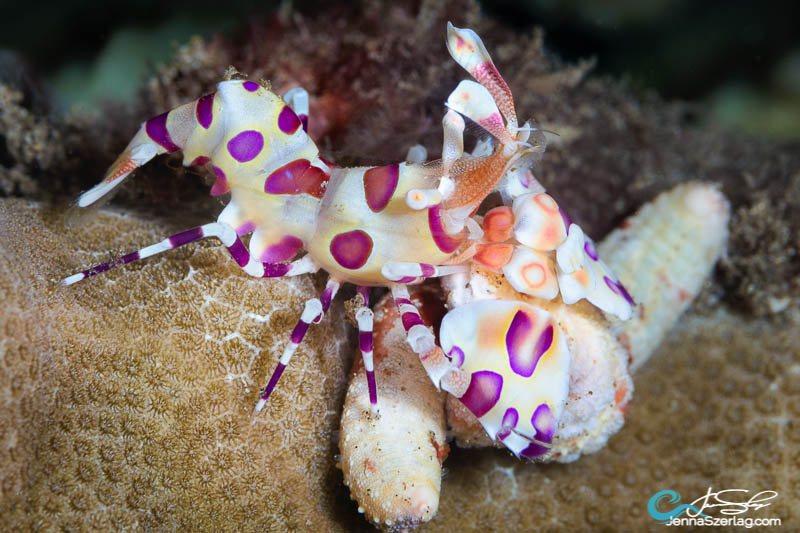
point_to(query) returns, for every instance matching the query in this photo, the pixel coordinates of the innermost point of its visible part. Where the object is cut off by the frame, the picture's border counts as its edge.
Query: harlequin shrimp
(370, 226)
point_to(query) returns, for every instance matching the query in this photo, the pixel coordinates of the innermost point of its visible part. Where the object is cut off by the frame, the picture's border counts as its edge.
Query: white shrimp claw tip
(91, 196)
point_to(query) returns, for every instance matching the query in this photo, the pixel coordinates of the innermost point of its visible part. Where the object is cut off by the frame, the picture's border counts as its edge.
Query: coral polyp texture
(131, 408)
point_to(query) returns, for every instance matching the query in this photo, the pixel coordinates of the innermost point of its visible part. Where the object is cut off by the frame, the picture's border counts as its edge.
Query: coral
(132, 392)
(27, 142)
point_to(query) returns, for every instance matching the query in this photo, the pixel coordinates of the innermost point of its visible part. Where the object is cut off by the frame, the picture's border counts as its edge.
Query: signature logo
(729, 502)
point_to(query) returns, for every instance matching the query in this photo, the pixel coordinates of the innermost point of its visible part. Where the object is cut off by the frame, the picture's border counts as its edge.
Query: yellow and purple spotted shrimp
(393, 225)
(379, 226)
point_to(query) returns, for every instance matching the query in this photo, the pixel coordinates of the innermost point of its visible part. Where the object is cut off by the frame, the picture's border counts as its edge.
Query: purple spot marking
(446, 243)
(400, 301)
(283, 250)
(518, 331)
(297, 177)
(304, 122)
(199, 160)
(250, 86)
(411, 319)
(456, 356)
(288, 121)
(544, 343)
(588, 247)
(510, 419)
(483, 392)
(617, 288)
(299, 332)
(239, 253)
(246, 145)
(544, 423)
(273, 380)
(184, 237)
(427, 270)
(156, 128)
(406, 279)
(379, 186)
(205, 110)
(351, 249)
(522, 362)
(365, 341)
(275, 270)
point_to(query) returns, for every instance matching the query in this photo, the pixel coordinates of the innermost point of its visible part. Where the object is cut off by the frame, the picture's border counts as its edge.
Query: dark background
(742, 57)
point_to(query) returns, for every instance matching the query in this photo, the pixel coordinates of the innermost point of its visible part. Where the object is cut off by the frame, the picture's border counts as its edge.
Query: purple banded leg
(419, 337)
(297, 98)
(443, 372)
(364, 317)
(221, 231)
(400, 272)
(327, 296)
(313, 312)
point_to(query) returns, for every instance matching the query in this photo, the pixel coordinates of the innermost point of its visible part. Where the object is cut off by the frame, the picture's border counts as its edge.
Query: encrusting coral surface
(126, 403)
